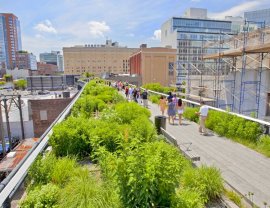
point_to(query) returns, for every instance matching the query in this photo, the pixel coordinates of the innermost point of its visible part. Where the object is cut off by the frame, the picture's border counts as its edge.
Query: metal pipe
(2, 137)
(7, 122)
(21, 116)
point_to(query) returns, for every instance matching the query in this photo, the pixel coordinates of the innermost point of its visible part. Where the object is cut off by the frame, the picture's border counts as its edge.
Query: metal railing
(11, 183)
(262, 122)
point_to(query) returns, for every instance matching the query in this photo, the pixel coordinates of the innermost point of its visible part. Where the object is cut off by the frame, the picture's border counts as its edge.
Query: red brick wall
(53, 107)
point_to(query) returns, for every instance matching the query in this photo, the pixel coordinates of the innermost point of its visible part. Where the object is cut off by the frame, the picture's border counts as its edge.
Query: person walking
(126, 92)
(162, 104)
(203, 116)
(180, 110)
(171, 111)
(145, 98)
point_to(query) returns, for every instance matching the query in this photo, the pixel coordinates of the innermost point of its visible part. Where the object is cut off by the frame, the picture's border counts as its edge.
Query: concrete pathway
(244, 169)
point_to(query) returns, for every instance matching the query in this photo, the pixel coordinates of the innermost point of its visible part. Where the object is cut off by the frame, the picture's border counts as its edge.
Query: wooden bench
(184, 147)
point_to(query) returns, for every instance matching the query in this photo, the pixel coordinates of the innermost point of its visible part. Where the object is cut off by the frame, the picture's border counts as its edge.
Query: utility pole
(2, 137)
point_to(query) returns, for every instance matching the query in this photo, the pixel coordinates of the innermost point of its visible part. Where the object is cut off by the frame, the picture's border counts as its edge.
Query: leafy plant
(42, 196)
(148, 175)
(264, 145)
(234, 197)
(154, 99)
(71, 137)
(86, 191)
(206, 180)
(20, 84)
(187, 198)
(190, 114)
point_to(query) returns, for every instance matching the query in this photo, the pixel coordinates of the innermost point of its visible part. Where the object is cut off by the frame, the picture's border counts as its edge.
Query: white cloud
(239, 9)
(98, 29)
(45, 26)
(157, 35)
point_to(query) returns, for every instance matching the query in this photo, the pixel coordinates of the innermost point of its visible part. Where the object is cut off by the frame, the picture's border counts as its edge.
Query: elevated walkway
(244, 169)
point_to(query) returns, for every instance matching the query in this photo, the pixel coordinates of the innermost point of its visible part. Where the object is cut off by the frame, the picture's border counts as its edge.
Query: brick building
(46, 69)
(154, 65)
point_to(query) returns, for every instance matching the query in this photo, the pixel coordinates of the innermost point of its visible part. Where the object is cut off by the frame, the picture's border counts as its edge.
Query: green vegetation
(20, 84)
(2, 83)
(157, 87)
(235, 198)
(154, 98)
(134, 166)
(8, 77)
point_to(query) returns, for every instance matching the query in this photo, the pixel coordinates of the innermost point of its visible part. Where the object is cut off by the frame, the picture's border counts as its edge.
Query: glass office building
(54, 58)
(190, 36)
(258, 16)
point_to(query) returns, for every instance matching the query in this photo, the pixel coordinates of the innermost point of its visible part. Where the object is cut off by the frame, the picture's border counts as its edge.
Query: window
(43, 115)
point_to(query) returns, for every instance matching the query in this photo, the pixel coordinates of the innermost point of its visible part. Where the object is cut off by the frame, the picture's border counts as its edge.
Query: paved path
(243, 168)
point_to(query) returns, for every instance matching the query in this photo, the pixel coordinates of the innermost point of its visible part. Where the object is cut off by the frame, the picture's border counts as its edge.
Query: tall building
(54, 58)
(258, 16)
(188, 35)
(97, 59)
(154, 65)
(10, 39)
(25, 60)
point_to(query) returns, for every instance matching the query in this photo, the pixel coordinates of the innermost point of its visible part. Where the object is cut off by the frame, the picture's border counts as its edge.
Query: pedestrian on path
(145, 98)
(203, 116)
(162, 104)
(180, 110)
(171, 111)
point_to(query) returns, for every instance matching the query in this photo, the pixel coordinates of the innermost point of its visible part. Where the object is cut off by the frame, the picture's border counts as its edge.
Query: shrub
(42, 196)
(187, 199)
(86, 191)
(71, 137)
(206, 180)
(86, 105)
(2, 83)
(127, 112)
(148, 175)
(41, 170)
(264, 145)
(154, 99)
(142, 129)
(20, 84)
(106, 134)
(190, 114)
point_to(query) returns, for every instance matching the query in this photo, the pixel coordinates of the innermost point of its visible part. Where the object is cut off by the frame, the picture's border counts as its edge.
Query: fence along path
(244, 169)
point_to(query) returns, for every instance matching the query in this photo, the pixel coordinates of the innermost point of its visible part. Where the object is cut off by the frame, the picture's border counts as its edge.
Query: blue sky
(52, 24)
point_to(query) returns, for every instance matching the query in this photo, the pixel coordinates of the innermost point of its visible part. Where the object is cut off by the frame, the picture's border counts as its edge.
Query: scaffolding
(240, 57)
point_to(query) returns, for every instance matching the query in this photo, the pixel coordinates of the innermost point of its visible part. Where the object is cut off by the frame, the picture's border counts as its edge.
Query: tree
(20, 84)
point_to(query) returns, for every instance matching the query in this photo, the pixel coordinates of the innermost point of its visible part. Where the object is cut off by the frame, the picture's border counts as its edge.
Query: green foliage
(187, 199)
(148, 175)
(41, 170)
(159, 88)
(128, 111)
(20, 84)
(42, 196)
(154, 98)
(85, 191)
(142, 129)
(106, 134)
(264, 145)
(87, 105)
(8, 77)
(71, 137)
(235, 198)
(2, 83)
(205, 180)
(190, 114)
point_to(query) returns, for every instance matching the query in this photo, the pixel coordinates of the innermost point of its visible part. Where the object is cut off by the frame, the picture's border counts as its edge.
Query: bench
(184, 147)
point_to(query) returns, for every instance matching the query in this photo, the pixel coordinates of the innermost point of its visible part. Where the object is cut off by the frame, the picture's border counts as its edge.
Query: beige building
(97, 59)
(154, 65)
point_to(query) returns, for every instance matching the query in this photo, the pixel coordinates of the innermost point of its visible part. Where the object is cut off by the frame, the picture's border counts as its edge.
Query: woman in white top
(180, 110)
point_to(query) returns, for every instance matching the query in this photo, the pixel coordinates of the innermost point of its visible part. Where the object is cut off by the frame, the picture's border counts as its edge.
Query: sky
(53, 24)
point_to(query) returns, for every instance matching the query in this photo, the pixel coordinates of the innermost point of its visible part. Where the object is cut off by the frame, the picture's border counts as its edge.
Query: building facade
(258, 16)
(189, 35)
(154, 65)
(97, 59)
(25, 60)
(46, 69)
(54, 57)
(10, 39)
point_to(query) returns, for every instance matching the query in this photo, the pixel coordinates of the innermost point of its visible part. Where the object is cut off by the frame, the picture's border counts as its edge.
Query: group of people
(174, 107)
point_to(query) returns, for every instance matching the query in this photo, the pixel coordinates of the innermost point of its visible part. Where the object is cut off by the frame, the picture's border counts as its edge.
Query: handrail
(17, 175)
(265, 123)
